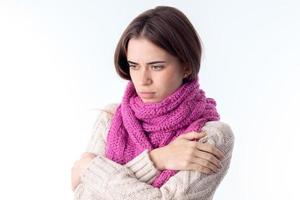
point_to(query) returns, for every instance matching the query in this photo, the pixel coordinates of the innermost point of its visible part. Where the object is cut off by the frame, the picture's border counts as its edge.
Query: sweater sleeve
(105, 178)
(141, 165)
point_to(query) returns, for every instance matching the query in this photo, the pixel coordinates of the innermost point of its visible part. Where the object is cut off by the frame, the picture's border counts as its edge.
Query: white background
(56, 66)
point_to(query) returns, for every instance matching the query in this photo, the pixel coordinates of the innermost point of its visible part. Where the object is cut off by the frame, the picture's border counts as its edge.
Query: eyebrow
(149, 63)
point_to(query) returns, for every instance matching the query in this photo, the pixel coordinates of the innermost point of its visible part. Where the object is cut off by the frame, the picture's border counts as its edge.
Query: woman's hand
(185, 154)
(79, 166)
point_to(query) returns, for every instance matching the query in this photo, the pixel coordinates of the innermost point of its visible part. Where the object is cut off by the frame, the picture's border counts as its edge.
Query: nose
(145, 77)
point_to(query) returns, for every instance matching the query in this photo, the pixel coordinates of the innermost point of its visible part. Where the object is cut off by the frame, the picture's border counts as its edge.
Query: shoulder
(107, 111)
(103, 120)
(104, 116)
(111, 108)
(221, 126)
(219, 133)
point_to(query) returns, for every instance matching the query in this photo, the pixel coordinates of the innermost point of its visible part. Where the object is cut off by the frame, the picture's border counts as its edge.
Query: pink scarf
(137, 126)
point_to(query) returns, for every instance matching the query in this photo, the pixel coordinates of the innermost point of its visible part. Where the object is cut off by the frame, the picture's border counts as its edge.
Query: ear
(187, 70)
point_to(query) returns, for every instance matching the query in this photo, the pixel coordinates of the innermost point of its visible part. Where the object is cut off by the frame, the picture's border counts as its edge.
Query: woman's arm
(141, 165)
(104, 177)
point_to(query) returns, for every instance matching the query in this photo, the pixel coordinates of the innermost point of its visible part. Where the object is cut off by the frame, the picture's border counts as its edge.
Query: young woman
(164, 140)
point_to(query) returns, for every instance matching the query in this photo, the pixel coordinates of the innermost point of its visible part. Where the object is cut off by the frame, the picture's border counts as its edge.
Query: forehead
(141, 49)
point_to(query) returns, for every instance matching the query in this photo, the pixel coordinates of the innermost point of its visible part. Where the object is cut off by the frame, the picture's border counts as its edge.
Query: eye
(157, 67)
(132, 66)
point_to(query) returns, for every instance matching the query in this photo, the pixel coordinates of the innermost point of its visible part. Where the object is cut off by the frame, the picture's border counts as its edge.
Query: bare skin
(153, 70)
(79, 166)
(185, 154)
(181, 154)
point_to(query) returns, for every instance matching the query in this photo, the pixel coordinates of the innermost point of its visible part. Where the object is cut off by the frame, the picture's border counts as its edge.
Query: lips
(146, 95)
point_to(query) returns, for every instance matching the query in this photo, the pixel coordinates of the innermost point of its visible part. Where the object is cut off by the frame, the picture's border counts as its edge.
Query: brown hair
(169, 29)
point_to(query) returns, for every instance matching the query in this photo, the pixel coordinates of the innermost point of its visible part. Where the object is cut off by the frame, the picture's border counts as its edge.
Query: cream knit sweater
(104, 179)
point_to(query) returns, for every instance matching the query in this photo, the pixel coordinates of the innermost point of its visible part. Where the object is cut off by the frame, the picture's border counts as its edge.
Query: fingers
(200, 168)
(203, 165)
(193, 135)
(87, 154)
(74, 177)
(206, 163)
(209, 157)
(209, 148)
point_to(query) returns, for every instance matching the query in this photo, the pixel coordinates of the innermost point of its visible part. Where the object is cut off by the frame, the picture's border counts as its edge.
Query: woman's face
(154, 72)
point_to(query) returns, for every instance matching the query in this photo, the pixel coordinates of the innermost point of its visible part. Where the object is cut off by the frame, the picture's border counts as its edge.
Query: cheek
(168, 83)
(173, 79)
(133, 77)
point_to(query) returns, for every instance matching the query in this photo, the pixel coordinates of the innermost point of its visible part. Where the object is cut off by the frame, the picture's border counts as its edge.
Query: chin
(150, 101)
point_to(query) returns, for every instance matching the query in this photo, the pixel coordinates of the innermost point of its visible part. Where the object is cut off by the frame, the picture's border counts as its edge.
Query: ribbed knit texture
(142, 167)
(137, 126)
(106, 180)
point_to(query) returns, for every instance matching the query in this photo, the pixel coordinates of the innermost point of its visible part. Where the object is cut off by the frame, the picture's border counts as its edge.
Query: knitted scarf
(137, 126)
